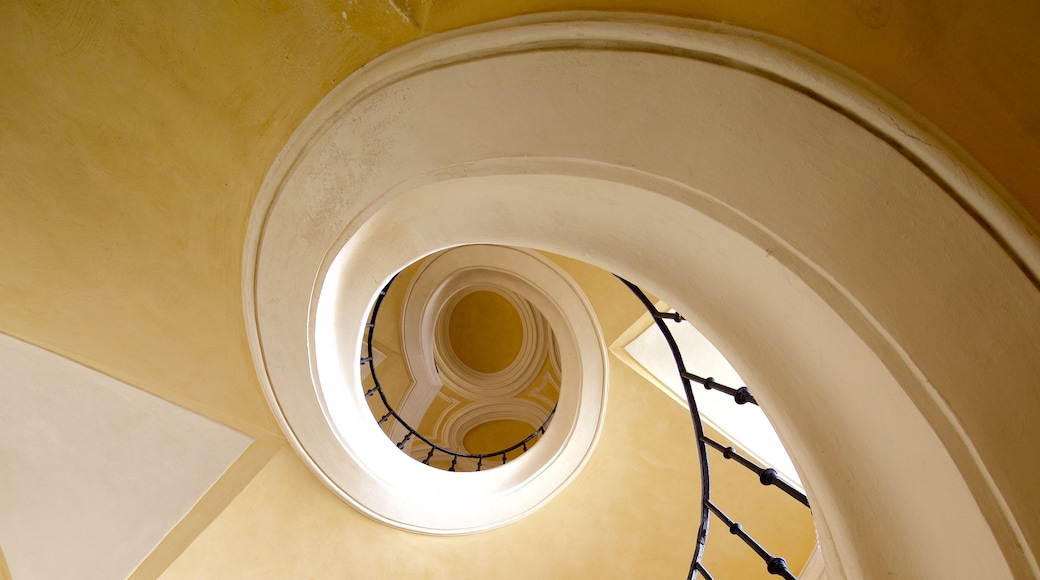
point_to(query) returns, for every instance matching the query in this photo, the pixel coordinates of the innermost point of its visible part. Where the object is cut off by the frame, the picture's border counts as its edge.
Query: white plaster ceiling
(94, 472)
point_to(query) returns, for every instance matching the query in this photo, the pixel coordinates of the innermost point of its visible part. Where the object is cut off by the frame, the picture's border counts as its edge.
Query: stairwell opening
(497, 368)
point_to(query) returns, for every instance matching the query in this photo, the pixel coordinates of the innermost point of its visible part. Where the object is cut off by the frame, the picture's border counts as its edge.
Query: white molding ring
(849, 262)
(480, 412)
(518, 374)
(442, 279)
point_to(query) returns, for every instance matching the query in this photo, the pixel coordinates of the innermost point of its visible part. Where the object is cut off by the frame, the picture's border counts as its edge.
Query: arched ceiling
(484, 331)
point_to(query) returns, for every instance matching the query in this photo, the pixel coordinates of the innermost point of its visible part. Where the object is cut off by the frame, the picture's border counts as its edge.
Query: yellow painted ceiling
(485, 331)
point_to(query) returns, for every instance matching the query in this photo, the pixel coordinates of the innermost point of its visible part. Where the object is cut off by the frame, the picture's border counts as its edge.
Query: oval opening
(496, 362)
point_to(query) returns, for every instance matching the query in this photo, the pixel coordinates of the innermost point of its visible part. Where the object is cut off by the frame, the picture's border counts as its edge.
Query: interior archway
(842, 269)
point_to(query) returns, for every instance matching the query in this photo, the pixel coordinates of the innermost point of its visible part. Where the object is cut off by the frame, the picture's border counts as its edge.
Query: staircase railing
(766, 475)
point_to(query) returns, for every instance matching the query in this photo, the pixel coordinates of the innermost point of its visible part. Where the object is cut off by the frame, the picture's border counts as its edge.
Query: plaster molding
(798, 216)
(521, 370)
(440, 282)
(814, 568)
(477, 413)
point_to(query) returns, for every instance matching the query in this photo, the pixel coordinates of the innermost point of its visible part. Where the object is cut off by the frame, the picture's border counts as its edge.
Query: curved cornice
(718, 168)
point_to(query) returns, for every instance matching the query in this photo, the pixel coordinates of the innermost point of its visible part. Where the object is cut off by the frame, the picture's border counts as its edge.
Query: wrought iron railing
(499, 456)
(766, 475)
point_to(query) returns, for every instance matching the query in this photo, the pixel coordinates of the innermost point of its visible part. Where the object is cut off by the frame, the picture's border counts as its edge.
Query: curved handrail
(411, 431)
(766, 475)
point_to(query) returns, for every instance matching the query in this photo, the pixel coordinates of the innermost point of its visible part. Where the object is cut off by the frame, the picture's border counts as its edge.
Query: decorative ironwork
(377, 389)
(766, 475)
